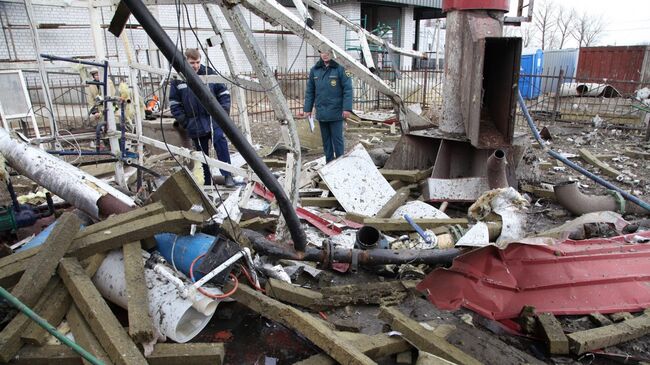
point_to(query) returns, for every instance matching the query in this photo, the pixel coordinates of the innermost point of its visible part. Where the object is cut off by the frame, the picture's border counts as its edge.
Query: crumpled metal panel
(569, 278)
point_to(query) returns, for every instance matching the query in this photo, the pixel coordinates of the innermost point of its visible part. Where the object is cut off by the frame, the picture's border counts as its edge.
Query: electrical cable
(213, 296)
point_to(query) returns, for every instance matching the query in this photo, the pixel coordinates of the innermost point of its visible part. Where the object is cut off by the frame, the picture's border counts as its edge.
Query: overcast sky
(627, 21)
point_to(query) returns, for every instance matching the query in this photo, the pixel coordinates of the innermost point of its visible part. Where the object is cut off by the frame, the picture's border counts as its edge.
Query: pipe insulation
(572, 199)
(87, 193)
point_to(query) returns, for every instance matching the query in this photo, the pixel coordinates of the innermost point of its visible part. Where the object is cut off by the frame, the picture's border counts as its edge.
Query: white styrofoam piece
(356, 183)
(418, 209)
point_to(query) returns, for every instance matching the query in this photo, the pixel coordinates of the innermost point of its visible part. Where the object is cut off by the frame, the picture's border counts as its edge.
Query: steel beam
(41, 70)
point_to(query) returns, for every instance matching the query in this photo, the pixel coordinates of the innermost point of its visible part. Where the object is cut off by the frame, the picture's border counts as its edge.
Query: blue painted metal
(418, 229)
(186, 249)
(531, 68)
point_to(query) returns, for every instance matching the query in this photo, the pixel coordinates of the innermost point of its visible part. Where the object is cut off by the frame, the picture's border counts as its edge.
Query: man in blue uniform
(190, 114)
(330, 88)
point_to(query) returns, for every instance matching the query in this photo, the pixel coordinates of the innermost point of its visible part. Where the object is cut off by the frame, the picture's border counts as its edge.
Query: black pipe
(77, 153)
(209, 102)
(366, 257)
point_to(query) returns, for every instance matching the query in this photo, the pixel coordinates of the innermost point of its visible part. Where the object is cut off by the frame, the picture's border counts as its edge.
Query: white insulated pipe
(68, 182)
(173, 316)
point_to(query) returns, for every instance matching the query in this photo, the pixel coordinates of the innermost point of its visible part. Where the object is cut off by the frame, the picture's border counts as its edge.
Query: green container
(7, 220)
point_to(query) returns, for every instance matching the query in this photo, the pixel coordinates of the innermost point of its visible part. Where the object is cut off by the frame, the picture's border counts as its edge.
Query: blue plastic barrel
(186, 249)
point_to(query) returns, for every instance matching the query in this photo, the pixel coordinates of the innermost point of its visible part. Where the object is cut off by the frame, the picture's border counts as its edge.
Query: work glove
(180, 120)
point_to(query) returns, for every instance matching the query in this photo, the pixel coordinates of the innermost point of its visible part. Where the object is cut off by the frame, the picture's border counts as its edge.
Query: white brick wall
(335, 31)
(407, 25)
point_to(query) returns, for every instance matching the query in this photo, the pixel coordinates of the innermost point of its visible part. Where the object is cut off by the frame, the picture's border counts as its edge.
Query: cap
(94, 70)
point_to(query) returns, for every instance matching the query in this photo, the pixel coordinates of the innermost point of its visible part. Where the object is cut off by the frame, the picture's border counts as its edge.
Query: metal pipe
(366, 257)
(208, 101)
(72, 60)
(572, 199)
(496, 170)
(80, 153)
(571, 164)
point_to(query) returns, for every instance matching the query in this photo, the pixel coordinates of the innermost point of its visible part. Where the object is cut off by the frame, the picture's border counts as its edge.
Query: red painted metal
(623, 63)
(572, 277)
(346, 222)
(325, 226)
(448, 5)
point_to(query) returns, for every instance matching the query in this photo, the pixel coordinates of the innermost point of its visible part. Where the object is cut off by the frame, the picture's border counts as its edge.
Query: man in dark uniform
(330, 88)
(190, 114)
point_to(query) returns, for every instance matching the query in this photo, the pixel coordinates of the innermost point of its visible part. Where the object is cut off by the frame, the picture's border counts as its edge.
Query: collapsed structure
(170, 254)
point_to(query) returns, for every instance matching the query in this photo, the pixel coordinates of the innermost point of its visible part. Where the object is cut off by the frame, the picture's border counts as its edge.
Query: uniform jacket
(187, 110)
(330, 89)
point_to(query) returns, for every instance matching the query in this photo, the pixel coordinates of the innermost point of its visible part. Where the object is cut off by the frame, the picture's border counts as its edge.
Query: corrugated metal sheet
(613, 63)
(556, 60)
(422, 3)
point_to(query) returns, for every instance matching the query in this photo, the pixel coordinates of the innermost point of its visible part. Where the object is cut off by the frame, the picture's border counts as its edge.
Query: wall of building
(336, 32)
(407, 37)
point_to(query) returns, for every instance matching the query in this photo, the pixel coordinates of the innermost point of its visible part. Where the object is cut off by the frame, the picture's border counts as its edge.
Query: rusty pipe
(496, 170)
(365, 257)
(572, 199)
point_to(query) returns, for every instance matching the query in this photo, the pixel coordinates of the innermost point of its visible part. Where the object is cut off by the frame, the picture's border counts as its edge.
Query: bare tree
(564, 24)
(544, 22)
(527, 34)
(587, 29)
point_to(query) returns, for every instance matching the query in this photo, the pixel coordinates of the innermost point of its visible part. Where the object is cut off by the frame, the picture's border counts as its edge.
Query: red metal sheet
(623, 64)
(325, 226)
(571, 277)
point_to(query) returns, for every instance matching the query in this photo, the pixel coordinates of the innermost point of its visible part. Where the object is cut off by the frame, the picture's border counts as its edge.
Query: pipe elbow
(496, 170)
(569, 196)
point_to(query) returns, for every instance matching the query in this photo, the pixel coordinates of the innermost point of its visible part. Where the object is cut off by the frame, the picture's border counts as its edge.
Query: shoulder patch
(348, 73)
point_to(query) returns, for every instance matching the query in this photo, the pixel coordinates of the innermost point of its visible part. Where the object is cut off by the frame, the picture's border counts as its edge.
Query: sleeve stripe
(173, 102)
(225, 93)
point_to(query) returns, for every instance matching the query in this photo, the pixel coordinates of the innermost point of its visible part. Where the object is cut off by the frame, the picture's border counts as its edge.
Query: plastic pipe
(209, 102)
(218, 269)
(419, 230)
(172, 315)
(48, 327)
(179, 251)
(573, 165)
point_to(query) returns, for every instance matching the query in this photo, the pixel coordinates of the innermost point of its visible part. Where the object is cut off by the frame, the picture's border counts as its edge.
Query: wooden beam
(121, 219)
(329, 202)
(43, 265)
(424, 339)
(612, 335)
(174, 222)
(310, 327)
(10, 337)
(58, 303)
(163, 354)
(375, 347)
(396, 201)
(409, 176)
(180, 192)
(293, 294)
(592, 159)
(140, 323)
(107, 329)
(84, 336)
(551, 330)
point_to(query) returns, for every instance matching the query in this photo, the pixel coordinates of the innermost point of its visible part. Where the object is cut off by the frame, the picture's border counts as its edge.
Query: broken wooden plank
(84, 336)
(589, 157)
(612, 335)
(274, 162)
(260, 224)
(293, 294)
(180, 192)
(187, 353)
(107, 329)
(424, 339)
(409, 176)
(43, 265)
(312, 328)
(173, 222)
(140, 323)
(380, 293)
(600, 319)
(10, 337)
(163, 354)
(329, 202)
(58, 303)
(399, 224)
(551, 330)
(396, 201)
(121, 219)
(621, 316)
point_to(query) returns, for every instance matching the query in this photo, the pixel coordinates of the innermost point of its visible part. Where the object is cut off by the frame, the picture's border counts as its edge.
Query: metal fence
(567, 102)
(585, 100)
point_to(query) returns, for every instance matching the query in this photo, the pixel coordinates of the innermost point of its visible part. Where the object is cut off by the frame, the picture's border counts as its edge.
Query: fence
(591, 100)
(422, 86)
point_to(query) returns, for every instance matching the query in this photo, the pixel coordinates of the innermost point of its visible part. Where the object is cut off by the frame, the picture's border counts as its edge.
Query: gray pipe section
(496, 170)
(572, 199)
(209, 102)
(91, 195)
